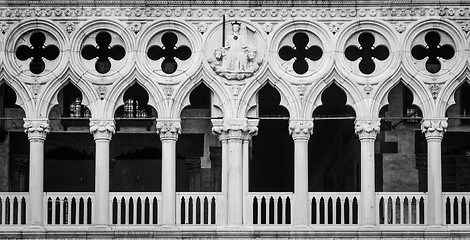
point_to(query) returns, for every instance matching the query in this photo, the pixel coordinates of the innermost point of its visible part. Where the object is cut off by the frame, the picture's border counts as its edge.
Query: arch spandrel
(152, 36)
(449, 34)
(111, 34)
(371, 35)
(446, 97)
(21, 40)
(319, 50)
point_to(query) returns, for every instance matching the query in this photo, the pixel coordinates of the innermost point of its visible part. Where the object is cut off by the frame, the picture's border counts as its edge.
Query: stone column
(169, 129)
(236, 131)
(367, 130)
(102, 130)
(301, 129)
(37, 130)
(433, 130)
(218, 130)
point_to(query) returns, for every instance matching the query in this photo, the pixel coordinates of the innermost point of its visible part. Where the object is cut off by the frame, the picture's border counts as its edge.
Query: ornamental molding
(452, 9)
(102, 129)
(434, 128)
(37, 129)
(367, 128)
(169, 129)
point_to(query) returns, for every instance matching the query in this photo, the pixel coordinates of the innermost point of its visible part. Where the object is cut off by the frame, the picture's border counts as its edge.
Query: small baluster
(333, 205)
(151, 210)
(194, 209)
(351, 203)
(410, 206)
(418, 211)
(386, 201)
(459, 209)
(119, 210)
(209, 210)
(275, 211)
(134, 210)
(325, 205)
(186, 210)
(69, 211)
(85, 210)
(127, 212)
(452, 210)
(402, 208)
(317, 203)
(77, 211)
(268, 207)
(342, 208)
(20, 201)
(258, 219)
(394, 210)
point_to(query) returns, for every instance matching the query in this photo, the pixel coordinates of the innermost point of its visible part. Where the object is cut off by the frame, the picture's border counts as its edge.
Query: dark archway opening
(271, 167)
(334, 148)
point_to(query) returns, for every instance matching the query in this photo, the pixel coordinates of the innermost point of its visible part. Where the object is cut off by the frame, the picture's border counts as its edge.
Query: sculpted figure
(235, 46)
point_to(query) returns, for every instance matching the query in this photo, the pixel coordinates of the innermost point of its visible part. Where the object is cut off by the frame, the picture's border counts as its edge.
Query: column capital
(301, 128)
(367, 128)
(102, 129)
(235, 128)
(434, 128)
(169, 129)
(36, 128)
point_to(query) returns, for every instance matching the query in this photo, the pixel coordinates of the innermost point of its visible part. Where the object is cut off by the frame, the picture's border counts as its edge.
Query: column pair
(234, 135)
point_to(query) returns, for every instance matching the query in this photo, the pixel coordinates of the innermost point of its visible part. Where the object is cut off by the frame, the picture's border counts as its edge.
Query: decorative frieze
(434, 129)
(301, 128)
(102, 129)
(169, 129)
(37, 129)
(367, 128)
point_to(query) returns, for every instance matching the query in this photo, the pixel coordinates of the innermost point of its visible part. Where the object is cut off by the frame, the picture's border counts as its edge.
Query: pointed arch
(24, 97)
(421, 96)
(354, 98)
(247, 98)
(446, 96)
(115, 95)
(220, 103)
(49, 97)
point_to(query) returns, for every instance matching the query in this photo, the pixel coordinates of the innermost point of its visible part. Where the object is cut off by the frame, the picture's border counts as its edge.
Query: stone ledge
(245, 232)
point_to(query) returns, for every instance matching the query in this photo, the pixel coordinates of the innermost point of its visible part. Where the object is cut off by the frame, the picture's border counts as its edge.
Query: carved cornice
(239, 128)
(169, 129)
(367, 128)
(301, 128)
(434, 129)
(102, 129)
(36, 128)
(374, 9)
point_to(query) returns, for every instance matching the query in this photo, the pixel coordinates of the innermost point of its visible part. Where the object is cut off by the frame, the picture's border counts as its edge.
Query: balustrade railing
(269, 208)
(68, 208)
(198, 207)
(334, 207)
(132, 208)
(401, 208)
(456, 208)
(13, 208)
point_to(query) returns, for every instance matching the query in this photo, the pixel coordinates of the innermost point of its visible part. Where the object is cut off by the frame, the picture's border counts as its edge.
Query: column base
(101, 227)
(368, 227)
(300, 227)
(438, 228)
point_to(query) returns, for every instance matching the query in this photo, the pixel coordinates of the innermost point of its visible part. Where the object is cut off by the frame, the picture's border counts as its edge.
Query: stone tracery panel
(102, 51)
(433, 51)
(301, 51)
(368, 52)
(36, 51)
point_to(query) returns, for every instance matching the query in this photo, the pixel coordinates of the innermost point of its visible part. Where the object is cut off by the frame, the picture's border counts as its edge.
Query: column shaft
(235, 182)
(301, 213)
(367, 206)
(36, 181)
(101, 203)
(168, 181)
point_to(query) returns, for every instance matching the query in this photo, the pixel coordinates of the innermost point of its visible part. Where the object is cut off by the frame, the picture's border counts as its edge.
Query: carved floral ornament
(36, 128)
(438, 126)
(102, 128)
(301, 127)
(367, 128)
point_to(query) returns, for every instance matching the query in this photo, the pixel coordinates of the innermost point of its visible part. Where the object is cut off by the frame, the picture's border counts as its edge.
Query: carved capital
(434, 128)
(102, 129)
(301, 128)
(37, 129)
(367, 128)
(239, 128)
(169, 129)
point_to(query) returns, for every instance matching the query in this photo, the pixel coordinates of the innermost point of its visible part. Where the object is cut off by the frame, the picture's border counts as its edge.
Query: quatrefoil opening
(103, 51)
(36, 52)
(366, 52)
(300, 52)
(434, 51)
(169, 51)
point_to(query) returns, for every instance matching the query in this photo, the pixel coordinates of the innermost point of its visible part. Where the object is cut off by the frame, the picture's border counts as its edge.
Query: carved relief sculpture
(236, 59)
